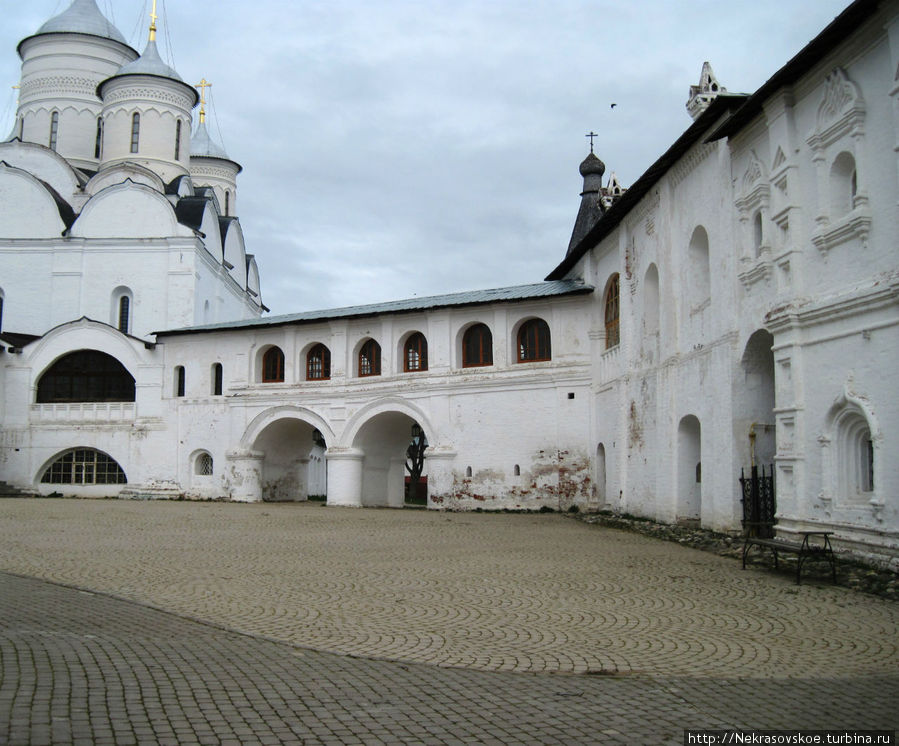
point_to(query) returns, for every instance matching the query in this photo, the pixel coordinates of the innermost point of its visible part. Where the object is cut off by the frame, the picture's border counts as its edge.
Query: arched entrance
(387, 442)
(292, 465)
(689, 471)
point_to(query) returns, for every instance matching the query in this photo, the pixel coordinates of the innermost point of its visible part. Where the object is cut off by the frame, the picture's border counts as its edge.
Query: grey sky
(394, 148)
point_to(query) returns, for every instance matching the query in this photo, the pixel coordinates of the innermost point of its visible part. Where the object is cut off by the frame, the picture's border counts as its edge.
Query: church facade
(737, 305)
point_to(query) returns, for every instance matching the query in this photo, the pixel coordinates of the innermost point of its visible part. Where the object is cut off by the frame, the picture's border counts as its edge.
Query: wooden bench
(762, 535)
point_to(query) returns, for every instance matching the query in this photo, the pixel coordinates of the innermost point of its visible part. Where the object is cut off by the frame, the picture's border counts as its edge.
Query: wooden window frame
(322, 370)
(415, 353)
(534, 342)
(612, 313)
(485, 351)
(273, 365)
(369, 359)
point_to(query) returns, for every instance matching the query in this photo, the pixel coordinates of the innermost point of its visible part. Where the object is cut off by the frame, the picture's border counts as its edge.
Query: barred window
(273, 365)
(135, 132)
(84, 466)
(203, 465)
(54, 129)
(415, 355)
(124, 313)
(477, 346)
(85, 376)
(370, 359)
(533, 341)
(318, 363)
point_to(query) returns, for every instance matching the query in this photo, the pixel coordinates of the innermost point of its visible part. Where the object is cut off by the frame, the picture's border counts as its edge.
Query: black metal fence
(758, 502)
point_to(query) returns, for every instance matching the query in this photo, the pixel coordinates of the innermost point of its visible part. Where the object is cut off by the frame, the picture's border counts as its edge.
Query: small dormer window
(135, 132)
(54, 129)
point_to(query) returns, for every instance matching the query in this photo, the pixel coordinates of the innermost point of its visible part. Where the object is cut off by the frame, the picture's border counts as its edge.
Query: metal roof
(82, 17)
(471, 298)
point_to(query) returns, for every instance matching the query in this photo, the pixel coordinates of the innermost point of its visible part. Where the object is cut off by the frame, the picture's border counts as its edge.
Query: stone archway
(280, 457)
(287, 446)
(383, 441)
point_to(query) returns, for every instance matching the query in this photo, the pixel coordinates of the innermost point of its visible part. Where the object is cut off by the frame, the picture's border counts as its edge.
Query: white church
(737, 305)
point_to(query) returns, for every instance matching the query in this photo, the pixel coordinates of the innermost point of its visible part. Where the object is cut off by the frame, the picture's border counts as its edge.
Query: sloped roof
(470, 298)
(835, 33)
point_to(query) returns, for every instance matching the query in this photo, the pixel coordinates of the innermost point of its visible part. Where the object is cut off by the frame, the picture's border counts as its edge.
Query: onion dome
(591, 207)
(82, 17)
(149, 63)
(591, 165)
(202, 145)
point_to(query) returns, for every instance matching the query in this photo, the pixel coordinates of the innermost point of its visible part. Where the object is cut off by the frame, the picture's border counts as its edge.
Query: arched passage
(290, 450)
(689, 471)
(384, 442)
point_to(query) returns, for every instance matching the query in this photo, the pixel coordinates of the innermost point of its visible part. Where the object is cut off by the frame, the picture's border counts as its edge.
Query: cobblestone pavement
(82, 668)
(496, 592)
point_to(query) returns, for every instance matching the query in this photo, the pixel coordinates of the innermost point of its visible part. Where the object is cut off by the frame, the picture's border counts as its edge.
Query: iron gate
(758, 502)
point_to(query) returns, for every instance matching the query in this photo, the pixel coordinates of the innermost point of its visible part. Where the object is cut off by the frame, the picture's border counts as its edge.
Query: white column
(345, 477)
(246, 475)
(441, 484)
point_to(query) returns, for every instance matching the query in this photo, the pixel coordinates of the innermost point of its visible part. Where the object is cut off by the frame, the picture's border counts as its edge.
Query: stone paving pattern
(499, 592)
(505, 605)
(82, 668)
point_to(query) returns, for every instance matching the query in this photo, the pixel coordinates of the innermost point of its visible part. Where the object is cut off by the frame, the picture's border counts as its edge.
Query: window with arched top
(178, 140)
(612, 313)
(84, 466)
(124, 314)
(477, 346)
(370, 359)
(98, 142)
(217, 379)
(273, 365)
(757, 236)
(415, 353)
(318, 363)
(180, 384)
(54, 130)
(85, 376)
(698, 268)
(203, 464)
(843, 185)
(135, 132)
(227, 203)
(533, 341)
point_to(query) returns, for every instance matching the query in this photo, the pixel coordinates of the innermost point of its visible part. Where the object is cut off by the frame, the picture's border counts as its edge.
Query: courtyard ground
(503, 628)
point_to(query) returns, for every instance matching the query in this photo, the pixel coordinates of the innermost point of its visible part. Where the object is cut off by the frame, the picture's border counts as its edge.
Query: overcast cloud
(394, 148)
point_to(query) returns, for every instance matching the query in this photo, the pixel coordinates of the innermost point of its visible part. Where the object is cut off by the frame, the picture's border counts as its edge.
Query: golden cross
(153, 18)
(203, 85)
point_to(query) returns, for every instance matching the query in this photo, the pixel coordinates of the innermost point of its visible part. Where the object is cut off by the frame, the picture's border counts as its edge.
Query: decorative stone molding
(842, 112)
(855, 225)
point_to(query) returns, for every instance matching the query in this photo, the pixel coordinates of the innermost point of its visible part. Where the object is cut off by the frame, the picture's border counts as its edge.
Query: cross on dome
(203, 85)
